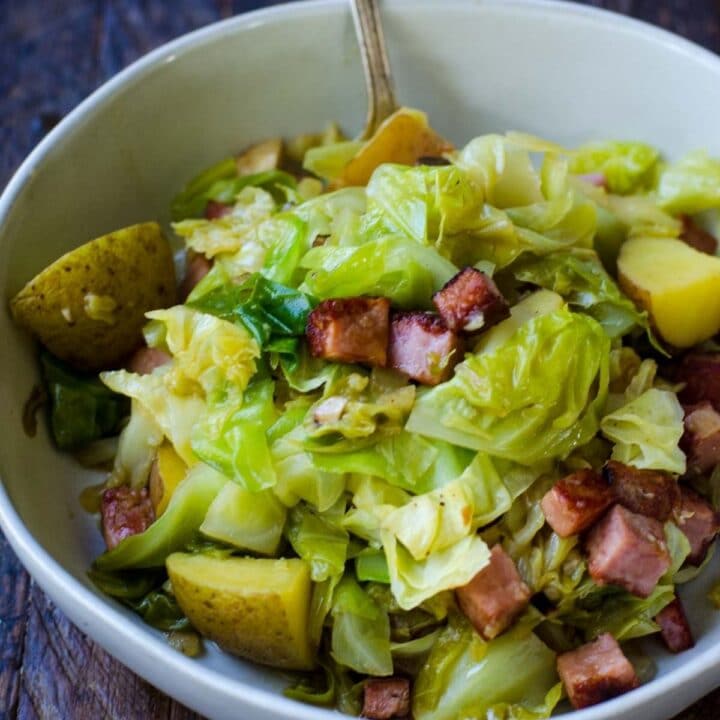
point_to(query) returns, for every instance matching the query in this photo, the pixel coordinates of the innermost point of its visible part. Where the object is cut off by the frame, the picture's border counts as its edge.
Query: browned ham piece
(386, 698)
(215, 210)
(647, 492)
(629, 550)
(674, 627)
(495, 596)
(350, 330)
(125, 511)
(700, 523)
(198, 266)
(701, 374)
(696, 237)
(701, 440)
(470, 301)
(596, 672)
(422, 347)
(146, 359)
(575, 502)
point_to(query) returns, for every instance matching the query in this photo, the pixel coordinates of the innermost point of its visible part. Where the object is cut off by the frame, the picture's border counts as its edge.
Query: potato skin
(88, 307)
(255, 608)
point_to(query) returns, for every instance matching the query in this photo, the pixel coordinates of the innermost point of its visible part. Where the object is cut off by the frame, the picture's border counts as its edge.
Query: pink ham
(701, 374)
(674, 627)
(350, 330)
(146, 359)
(125, 511)
(575, 502)
(198, 266)
(647, 492)
(215, 210)
(386, 698)
(596, 672)
(698, 238)
(700, 523)
(495, 596)
(422, 347)
(470, 301)
(628, 550)
(701, 441)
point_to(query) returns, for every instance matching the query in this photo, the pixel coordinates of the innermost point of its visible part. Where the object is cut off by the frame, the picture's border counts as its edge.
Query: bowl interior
(556, 70)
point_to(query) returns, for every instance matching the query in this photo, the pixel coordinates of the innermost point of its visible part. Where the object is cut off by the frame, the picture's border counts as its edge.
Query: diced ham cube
(125, 511)
(596, 672)
(350, 330)
(701, 374)
(198, 266)
(674, 627)
(495, 596)
(215, 210)
(470, 301)
(628, 550)
(575, 502)
(144, 360)
(647, 492)
(422, 347)
(386, 698)
(701, 441)
(700, 523)
(696, 237)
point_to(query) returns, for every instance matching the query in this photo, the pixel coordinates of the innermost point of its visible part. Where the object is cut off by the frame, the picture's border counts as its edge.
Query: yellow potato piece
(167, 471)
(259, 158)
(403, 138)
(256, 608)
(677, 285)
(88, 307)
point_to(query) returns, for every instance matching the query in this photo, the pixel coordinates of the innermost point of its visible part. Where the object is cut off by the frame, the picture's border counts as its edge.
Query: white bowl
(556, 69)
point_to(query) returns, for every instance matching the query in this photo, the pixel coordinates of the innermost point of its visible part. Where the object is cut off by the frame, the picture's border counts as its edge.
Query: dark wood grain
(53, 53)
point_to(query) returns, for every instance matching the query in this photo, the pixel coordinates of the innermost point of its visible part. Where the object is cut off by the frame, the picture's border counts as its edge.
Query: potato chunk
(677, 285)
(403, 138)
(88, 307)
(255, 608)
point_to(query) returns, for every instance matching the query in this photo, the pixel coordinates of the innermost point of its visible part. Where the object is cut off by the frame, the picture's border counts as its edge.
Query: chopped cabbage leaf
(690, 185)
(536, 396)
(512, 676)
(360, 632)
(647, 431)
(627, 166)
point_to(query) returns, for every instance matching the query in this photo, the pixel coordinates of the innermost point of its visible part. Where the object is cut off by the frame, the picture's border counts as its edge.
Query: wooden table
(53, 54)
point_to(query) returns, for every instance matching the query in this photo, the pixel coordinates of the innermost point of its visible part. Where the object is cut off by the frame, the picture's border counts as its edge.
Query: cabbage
(174, 529)
(646, 432)
(174, 414)
(268, 310)
(690, 185)
(627, 166)
(298, 477)
(512, 676)
(611, 609)
(329, 161)
(249, 521)
(356, 411)
(228, 234)
(137, 446)
(538, 395)
(414, 581)
(360, 632)
(232, 438)
(336, 215)
(322, 543)
(581, 279)
(391, 266)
